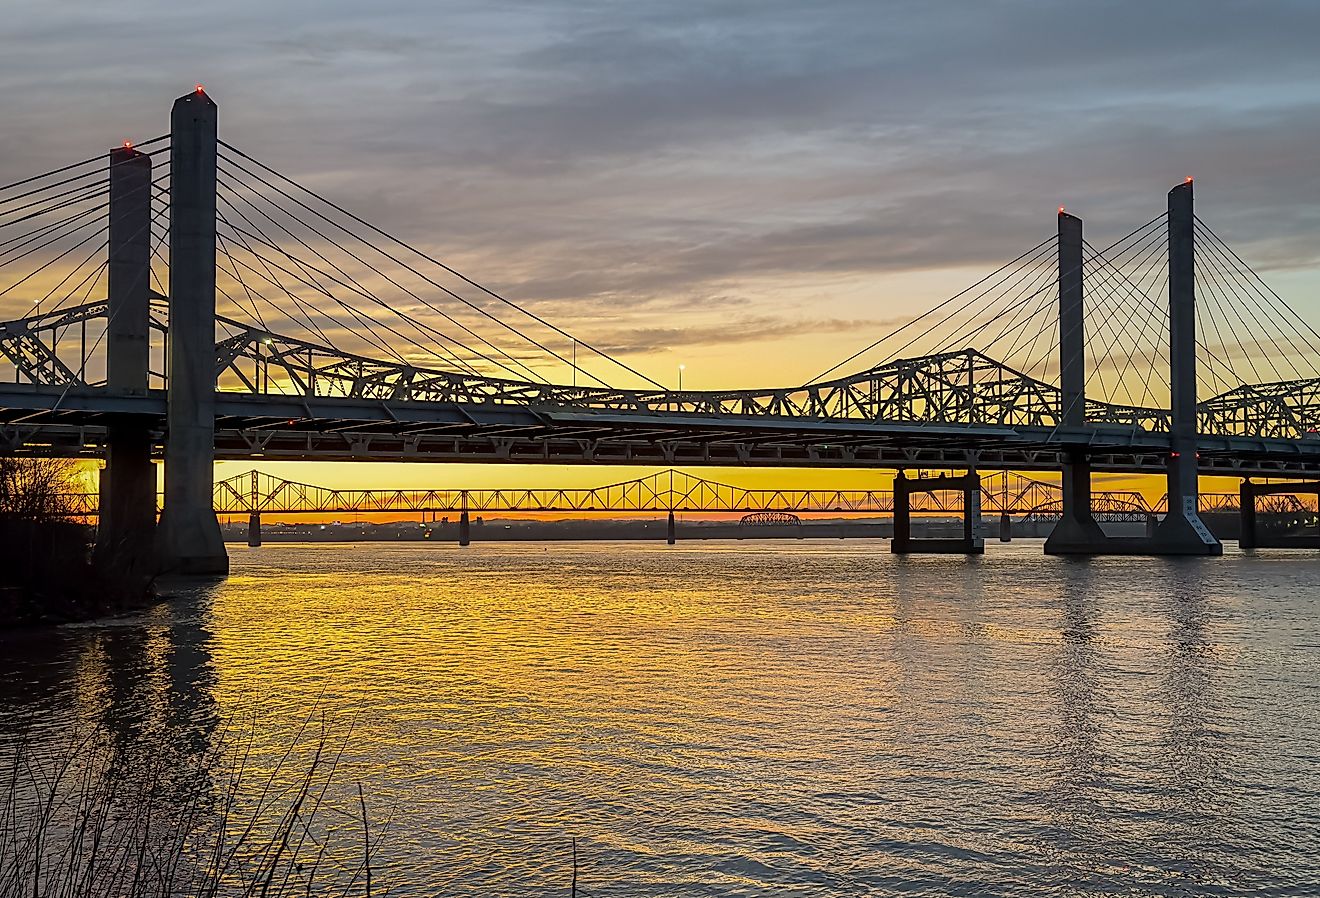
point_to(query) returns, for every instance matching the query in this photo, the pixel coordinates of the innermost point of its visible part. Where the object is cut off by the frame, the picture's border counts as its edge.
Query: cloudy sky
(752, 189)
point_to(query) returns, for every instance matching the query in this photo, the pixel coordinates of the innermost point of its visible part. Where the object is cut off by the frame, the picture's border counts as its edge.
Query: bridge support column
(671, 532)
(901, 543)
(126, 528)
(1077, 531)
(464, 529)
(971, 542)
(1251, 537)
(188, 538)
(1005, 528)
(1152, 524)
(1182, 532)
(254, 529)
(1246, 515)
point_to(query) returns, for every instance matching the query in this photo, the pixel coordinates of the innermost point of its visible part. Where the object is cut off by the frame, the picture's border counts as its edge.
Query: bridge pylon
(1182, 532)
(1077, 531)
(188, 539)
(127, 523)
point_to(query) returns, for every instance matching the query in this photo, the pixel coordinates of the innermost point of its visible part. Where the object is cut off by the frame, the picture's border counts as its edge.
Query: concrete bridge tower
(1182, 532)
(1077, 531)
(124, 533)
(188, 537)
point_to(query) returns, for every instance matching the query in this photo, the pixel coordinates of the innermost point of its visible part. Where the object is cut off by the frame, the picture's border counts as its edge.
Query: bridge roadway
(71, 421)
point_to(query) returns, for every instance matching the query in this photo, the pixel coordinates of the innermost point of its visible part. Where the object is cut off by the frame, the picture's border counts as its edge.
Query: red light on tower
(128, 144)
(199, 89)
(1061, 210)
(1187, 180)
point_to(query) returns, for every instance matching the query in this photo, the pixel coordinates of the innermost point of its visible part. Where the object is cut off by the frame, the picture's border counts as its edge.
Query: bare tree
(38, 489)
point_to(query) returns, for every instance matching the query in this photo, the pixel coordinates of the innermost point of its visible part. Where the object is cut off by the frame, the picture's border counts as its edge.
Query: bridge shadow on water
(129, 679)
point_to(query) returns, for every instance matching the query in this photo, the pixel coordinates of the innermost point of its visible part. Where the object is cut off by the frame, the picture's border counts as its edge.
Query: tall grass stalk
(166, 815)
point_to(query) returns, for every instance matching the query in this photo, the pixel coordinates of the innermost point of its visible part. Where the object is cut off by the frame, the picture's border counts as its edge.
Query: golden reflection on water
(756, 718)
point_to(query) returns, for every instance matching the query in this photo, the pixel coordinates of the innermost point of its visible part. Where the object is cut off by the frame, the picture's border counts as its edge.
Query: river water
(753, 718)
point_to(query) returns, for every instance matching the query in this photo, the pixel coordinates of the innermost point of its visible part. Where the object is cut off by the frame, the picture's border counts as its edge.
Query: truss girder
(963, 387)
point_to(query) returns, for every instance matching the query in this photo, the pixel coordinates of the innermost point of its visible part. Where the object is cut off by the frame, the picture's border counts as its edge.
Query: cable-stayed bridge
(185, 299)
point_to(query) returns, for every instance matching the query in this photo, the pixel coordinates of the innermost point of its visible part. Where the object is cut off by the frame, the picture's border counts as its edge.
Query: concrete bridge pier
(1077, 531)
(970, 543)
(464, 529)
(1182, 532)
(188, 539)
(1250, 537)
(671, 532)
(1005, 528)
(126, 529)
(254, 529)
(1247, 515)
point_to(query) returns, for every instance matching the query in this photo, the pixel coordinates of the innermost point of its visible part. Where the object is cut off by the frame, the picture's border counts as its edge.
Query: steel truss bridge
(282, 398)
(279, 325)
(257, 493)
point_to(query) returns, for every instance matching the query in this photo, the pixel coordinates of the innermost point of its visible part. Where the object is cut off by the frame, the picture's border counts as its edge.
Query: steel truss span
(289, 399)
(962, 387)
(254, 492)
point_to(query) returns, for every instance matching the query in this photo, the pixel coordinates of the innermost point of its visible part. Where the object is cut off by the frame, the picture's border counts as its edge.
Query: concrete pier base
(671, 532)
(254, 530)
(971, 542)
(1250, 536)
(464, 529)
(1005, 528)
(1077, 532)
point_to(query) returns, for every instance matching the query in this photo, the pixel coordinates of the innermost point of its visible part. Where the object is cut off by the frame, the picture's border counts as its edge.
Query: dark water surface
(776, 718)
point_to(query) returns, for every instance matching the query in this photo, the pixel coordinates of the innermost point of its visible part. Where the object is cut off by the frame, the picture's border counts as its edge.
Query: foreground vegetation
(167, 818)
(47, 573)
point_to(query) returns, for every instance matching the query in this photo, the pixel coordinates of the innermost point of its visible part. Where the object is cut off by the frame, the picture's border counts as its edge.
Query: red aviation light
(1187, 180)
(128, 144)
(1174, 454)
(199, 89)
(1062, 210)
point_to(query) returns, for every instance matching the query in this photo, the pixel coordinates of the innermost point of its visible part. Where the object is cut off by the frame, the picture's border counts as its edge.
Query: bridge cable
(1143, 337)
(1216, 286)
(355, 287)
(1120, 327)
(1219, 245)
(441, 265)
(1007, 265)
(1018, 298)
(420, 325)
(411, 319)
(1254, 295)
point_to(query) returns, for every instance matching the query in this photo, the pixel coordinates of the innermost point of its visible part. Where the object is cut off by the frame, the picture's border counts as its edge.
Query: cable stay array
(315, 300)
(53, 267)
(297, 263)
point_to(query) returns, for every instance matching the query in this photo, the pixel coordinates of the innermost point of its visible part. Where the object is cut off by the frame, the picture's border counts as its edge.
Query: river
(751, 718)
